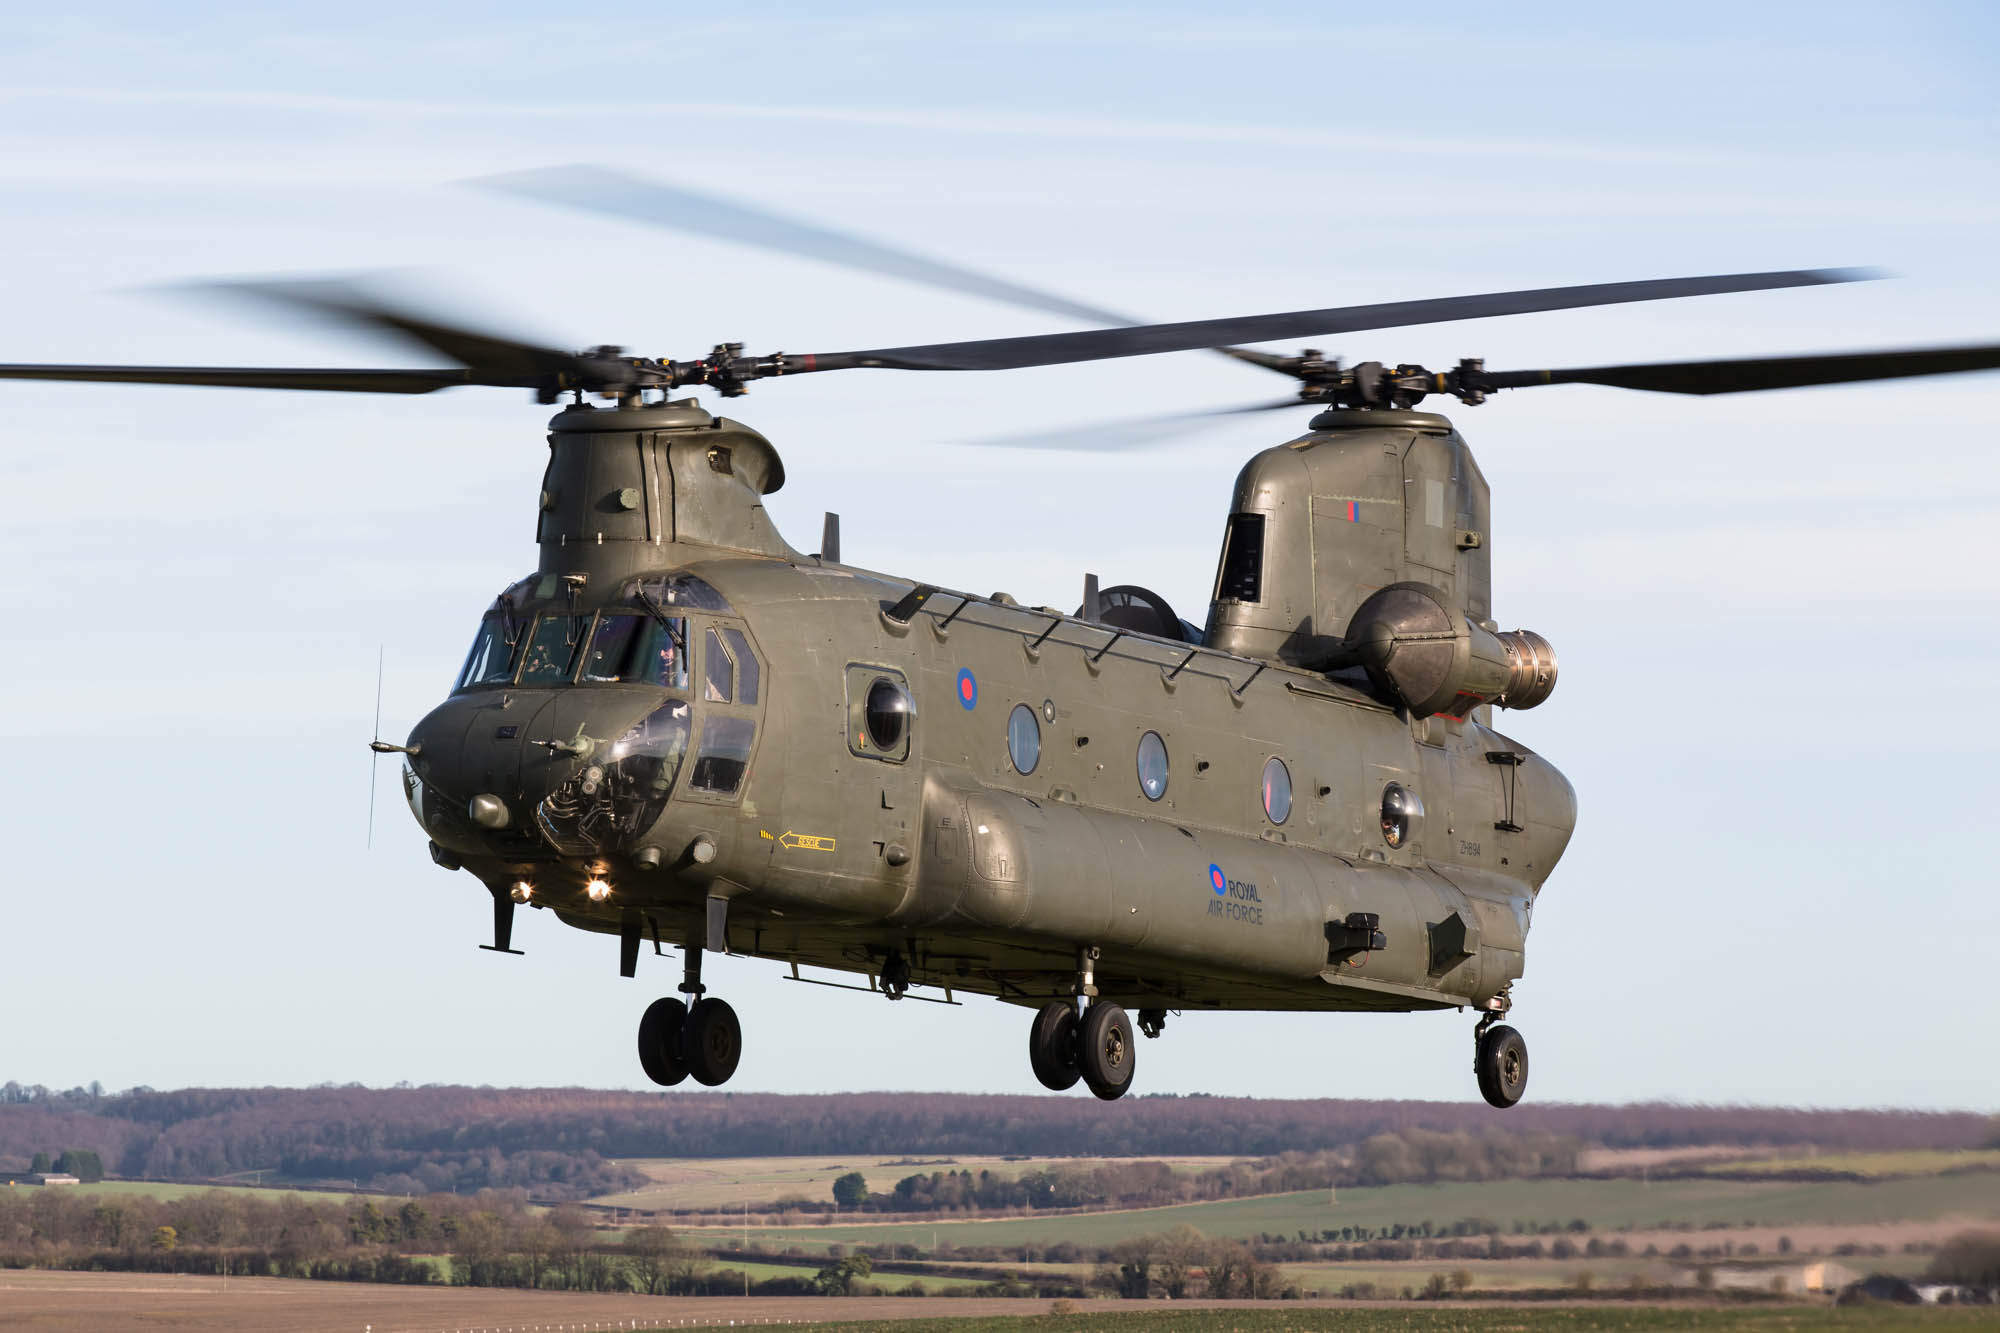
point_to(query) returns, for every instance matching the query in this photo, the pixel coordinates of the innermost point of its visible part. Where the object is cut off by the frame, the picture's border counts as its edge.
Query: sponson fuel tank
(1148, 887)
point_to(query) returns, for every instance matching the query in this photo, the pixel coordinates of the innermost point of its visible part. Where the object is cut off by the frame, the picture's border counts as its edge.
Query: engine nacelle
(1427, 656)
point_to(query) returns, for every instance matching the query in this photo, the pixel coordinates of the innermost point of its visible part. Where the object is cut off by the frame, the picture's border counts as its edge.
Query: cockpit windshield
(554, 649)
(647, 649)
(495, 651)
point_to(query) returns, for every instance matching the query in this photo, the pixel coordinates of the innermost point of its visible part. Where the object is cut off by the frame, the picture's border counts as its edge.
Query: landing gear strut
(1087, 1038)
(1500, 1060)
(676, 1039)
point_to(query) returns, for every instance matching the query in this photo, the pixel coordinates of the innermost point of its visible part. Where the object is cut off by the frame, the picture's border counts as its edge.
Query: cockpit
(675, 634)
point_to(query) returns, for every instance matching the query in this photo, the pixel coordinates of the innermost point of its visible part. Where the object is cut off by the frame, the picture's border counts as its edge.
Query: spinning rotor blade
(1050, 349)
(1757, 373)
(487, 359)
(490, 358)
(346, 381)
(600, 190)
(1131, 433)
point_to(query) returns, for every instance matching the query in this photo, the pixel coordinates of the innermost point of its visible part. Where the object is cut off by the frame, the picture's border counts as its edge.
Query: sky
(1775, 613)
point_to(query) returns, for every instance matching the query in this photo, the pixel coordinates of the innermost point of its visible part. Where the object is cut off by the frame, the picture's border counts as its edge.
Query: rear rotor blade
(1145, 340)
(1757, 373)
(345, 381)
(595, 189)
(1131, 433)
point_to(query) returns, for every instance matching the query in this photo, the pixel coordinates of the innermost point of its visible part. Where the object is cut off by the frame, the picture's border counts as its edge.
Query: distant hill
(563, 1142)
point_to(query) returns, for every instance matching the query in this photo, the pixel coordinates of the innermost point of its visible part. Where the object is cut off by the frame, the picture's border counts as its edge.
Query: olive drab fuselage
(667, 734)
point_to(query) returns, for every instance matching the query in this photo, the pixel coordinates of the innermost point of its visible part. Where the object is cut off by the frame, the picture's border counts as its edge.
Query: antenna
(829, 539)
(375, 755)
(1093, 605)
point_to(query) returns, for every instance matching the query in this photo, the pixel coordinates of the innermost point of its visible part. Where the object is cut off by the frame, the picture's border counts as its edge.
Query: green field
(1919, 1163)
(1605, 1205)
(1450, 1317)
(723, 1183)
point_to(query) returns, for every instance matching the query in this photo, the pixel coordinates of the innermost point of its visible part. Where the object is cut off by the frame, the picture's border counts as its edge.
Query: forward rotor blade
(491, 358)
(1757, 373)
(1104, 344)
(1132, 433)
(599, 190)
(344, 381)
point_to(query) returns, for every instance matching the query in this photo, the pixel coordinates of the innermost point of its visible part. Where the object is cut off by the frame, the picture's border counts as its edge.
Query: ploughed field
(73, 1302)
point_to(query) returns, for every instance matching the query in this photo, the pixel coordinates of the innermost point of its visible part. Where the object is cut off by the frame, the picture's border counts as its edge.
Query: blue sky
(1775, 615)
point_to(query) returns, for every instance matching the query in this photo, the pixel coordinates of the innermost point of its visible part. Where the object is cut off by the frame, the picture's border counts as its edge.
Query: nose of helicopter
(483, 763)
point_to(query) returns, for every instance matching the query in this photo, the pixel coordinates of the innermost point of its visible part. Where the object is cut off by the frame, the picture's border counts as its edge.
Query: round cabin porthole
(1277, 791)
(1402, 813)
(887, 713)
(1024, 739)
(1152, 766)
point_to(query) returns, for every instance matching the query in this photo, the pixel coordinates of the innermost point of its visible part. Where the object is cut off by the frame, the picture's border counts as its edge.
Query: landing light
(522, 891)
(598, 889)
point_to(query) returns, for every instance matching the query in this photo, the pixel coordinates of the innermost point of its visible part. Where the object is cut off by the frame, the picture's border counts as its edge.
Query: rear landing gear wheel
(1105, 1050)
(660, 1042)
(1501, 1062)
(1052, 1046)
(712, 1040)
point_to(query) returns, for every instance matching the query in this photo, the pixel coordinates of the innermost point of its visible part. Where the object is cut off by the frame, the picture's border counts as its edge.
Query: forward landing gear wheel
(1052, 1046)
(1105, 1050)
(660, 1042)
(712, 1041)
(1501, 1062)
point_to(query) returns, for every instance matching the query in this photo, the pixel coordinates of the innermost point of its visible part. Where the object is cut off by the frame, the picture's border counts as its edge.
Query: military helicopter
(682, 730)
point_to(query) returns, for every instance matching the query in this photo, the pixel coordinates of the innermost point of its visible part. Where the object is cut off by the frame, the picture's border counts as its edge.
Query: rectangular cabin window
(1242, 578)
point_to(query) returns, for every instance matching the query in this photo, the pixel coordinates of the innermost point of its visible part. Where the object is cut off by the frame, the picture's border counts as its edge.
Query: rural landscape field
(577, 1209)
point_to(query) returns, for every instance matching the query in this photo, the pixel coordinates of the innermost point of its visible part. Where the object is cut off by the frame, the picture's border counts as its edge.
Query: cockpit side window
(725, 753)
(715, 670)
(746, 666)
(495, 650)
(552, 649)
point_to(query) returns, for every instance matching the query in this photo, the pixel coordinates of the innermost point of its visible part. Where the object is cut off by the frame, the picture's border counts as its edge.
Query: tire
(1105, 1050)
(712, 1042)
(1501, 1062)
(660, 1042)
(1052, 1047)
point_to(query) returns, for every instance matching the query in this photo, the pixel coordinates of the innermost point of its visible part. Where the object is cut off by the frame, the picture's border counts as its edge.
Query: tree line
(1412, 1156)
(565, 1143)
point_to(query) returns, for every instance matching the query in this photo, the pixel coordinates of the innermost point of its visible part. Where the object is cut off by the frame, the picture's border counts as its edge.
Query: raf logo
(1235, 899)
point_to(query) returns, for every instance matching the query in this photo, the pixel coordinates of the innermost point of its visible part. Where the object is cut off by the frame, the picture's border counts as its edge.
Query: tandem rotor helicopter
(685, 732)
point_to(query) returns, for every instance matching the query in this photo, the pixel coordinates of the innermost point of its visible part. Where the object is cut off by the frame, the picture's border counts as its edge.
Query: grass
(1604, 1204)
(1925, 1162)
(723, 1183)
(1449, 1317)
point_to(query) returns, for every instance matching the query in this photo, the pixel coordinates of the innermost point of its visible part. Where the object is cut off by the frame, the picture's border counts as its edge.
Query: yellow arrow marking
(805, 841)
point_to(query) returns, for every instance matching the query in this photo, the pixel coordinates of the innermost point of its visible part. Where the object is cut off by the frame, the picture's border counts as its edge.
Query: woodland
(572, 1143)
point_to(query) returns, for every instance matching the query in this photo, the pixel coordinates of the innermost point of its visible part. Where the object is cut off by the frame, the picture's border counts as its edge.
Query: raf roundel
(1218, 881)
(968, 690)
